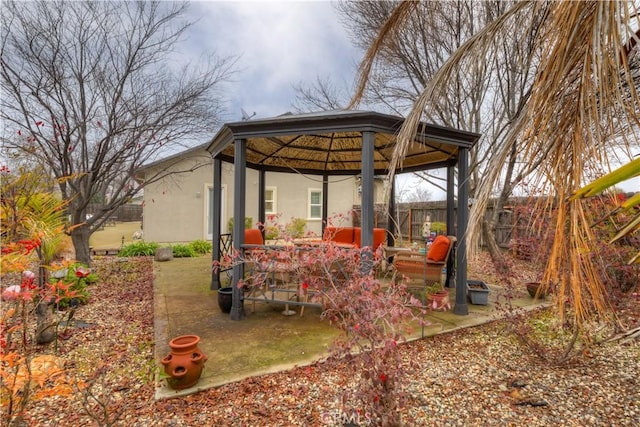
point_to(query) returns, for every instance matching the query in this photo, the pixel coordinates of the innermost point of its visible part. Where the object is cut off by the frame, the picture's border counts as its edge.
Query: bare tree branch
(89, 92)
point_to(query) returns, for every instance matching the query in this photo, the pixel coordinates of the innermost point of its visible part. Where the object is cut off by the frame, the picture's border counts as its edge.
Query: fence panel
(411, 216)
(124, 213)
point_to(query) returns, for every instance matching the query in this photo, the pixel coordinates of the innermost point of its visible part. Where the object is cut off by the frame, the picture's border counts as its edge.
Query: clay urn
(184, 363)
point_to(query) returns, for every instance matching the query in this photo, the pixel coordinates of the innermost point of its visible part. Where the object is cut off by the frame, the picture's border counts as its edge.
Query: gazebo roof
(330, 142)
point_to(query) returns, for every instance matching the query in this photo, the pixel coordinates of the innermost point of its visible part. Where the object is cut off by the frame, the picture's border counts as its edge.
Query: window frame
(310, 205)
(273, 201)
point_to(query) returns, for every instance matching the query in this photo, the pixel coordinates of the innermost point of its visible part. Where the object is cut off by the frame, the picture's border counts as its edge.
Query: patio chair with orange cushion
(267, 269)
(252, 238)
(421, 269)
(252, 248)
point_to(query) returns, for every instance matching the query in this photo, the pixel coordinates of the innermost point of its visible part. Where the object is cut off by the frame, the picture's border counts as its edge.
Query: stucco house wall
(292, 192)
(177, 208)
(174, 207)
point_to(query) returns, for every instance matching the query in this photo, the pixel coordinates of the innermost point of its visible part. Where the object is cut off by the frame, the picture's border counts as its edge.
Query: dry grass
(114, 236)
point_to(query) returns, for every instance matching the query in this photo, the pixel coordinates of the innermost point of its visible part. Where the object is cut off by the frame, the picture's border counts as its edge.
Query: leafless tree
(414, 192)
(322, 95)
(583, 100)
(479, 98)
(89, 91)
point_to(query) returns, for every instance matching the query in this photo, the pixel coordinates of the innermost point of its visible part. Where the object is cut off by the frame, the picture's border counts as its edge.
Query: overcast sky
(279, 44)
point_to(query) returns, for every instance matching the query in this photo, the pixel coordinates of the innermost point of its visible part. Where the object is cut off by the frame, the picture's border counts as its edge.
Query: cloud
(278, 43)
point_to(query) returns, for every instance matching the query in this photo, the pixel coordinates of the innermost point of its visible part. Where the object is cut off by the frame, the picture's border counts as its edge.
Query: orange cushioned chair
(424, 269)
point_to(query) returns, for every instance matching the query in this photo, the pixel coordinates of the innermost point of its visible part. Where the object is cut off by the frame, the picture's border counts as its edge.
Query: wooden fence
(411, 216)
(125, 213)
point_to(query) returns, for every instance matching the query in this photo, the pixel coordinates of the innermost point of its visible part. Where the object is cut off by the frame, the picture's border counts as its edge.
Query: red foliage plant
(619, 277)
(372, 316)
(534, 236)
(18, 352)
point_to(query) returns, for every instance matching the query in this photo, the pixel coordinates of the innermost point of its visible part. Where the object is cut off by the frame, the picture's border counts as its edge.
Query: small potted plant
(437, 297)
(537, 288)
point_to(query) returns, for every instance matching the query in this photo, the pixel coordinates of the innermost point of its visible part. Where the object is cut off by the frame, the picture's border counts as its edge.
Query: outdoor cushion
(439, 249)
(339, 234)
(379, 236)
(253, 236)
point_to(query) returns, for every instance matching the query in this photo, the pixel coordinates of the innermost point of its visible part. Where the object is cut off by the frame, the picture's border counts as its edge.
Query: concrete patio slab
(264, 341)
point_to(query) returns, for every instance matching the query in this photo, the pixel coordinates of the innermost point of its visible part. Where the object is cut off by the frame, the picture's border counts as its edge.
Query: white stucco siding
(167, 205)
(293, 196)
(176, 209)
(251, 194)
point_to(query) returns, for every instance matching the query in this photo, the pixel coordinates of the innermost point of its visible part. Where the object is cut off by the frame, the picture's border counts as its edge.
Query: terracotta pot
(184, 363)
(225, 299)
(439, 301)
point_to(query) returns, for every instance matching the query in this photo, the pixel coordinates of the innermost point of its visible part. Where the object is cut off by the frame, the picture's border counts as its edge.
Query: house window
(270, 200)
(315, 204)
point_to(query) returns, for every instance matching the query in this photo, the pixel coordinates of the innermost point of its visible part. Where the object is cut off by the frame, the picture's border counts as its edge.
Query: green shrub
(200, 247)
(248, 223)
(183, 251)
(271, 232)
(296, 227)
(139, 249)
(439, 227)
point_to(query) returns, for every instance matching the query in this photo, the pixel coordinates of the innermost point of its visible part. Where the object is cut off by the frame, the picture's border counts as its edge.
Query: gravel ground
(474, 377)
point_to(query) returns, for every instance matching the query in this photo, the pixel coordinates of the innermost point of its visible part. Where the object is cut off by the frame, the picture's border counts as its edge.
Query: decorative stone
(164, 254)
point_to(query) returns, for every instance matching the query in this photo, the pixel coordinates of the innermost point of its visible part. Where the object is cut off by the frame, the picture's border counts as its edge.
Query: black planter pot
(225, 299)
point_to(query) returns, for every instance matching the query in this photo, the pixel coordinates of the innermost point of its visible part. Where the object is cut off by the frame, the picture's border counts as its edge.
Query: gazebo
(342, 142)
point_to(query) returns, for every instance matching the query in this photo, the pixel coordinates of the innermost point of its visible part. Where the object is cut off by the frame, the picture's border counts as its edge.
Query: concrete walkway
(264, 341)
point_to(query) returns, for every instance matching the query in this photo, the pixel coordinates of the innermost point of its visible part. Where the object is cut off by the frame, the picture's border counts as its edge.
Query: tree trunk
(489, 237)
(489, 227)
(80, 239)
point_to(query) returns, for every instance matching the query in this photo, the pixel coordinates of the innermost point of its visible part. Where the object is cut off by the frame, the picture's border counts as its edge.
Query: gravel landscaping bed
(480, 376)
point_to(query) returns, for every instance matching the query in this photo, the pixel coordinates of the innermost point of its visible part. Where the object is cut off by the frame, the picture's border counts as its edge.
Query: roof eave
(171, 157)
(223, 138)
(341, 121)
